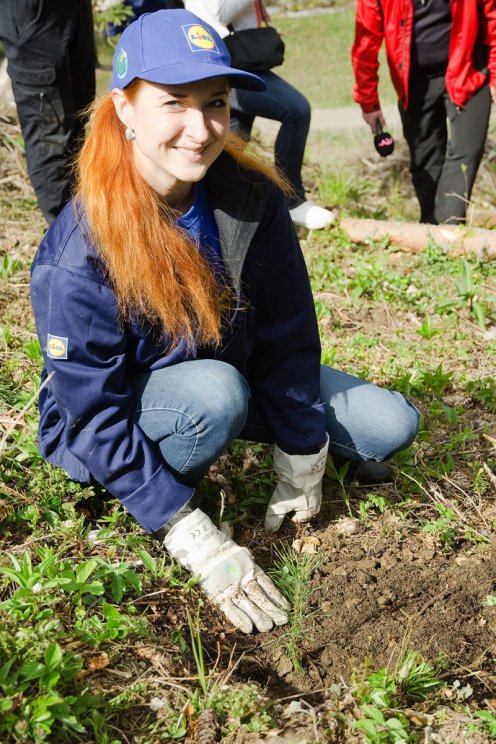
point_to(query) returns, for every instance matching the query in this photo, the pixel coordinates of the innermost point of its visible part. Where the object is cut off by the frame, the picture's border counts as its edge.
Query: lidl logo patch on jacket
(57, 347)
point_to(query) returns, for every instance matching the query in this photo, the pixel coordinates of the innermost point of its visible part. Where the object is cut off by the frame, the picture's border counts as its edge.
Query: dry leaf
(188, 710)
(97, 662)
(153, 656)
(308, 544)
(418, 718)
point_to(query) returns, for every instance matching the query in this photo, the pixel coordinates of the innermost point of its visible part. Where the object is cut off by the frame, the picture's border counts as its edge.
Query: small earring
(130, 135)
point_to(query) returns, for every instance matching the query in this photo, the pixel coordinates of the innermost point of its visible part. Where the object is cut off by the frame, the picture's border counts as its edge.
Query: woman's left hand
(299, 489)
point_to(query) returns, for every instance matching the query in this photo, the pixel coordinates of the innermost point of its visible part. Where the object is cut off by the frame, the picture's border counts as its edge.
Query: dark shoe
(369, 473)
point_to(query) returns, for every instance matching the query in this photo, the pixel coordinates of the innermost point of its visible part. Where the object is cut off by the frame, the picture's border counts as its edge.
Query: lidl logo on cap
(57, 347)
(199, 39)
(121, 64)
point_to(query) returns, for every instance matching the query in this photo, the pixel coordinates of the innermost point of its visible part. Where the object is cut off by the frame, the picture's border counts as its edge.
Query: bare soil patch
(384, 591)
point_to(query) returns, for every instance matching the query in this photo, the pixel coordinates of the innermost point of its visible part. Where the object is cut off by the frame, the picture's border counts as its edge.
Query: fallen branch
(412, 237)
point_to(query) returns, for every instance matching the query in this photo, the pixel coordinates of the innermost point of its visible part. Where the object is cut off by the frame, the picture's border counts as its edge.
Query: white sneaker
(311, 216)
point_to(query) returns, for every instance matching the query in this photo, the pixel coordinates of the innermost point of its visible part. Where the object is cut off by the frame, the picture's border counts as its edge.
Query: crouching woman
(175, 314)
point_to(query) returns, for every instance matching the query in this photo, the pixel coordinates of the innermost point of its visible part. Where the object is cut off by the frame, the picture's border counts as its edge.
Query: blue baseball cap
(173, 47)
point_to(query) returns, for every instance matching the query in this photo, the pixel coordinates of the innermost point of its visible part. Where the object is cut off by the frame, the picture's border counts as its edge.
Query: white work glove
(299, 489)
(227, 574)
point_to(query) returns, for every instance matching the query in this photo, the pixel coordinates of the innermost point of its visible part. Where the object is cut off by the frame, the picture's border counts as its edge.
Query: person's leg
(281, 102)
(364, 421)
(468, 131)
(193, 411)
(425, 130)
(36, 36)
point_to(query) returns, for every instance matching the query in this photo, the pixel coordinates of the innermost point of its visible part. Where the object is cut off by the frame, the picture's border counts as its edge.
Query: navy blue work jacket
(87, 408)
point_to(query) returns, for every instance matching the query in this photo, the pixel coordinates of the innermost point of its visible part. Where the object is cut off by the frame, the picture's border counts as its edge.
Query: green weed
(382, 694)
(490, 600)
(483, 391)
(444, 527)
(9, 266)
(487, 723)
(117, 14)
(470, 294)
(339, 476)
(427, 330)
(376, 727)
(234, 708)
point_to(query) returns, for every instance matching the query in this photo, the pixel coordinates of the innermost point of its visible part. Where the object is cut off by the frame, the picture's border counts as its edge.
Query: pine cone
(206, 727)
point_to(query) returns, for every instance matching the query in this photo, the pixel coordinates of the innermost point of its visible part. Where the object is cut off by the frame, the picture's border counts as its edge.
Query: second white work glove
(299, 489)
(228, 574)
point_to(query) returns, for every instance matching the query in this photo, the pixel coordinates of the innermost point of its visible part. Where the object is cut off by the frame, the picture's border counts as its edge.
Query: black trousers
(444, 165)
(50, 49)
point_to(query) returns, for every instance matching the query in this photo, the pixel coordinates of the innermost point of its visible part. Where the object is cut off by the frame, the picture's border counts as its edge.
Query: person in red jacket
(442, 60)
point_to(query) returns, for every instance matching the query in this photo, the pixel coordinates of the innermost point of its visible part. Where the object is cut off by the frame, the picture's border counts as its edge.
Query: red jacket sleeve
(488, 24)
(365, 54)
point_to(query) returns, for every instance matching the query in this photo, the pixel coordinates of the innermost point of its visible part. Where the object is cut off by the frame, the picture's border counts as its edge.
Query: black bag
(255, 49)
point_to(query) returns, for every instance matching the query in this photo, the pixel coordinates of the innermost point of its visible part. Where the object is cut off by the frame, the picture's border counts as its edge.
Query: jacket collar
(238, 198)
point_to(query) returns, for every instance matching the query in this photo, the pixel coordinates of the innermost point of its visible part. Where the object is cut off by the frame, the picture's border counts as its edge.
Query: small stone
(284, 666)
(348, 526)
(156, 704)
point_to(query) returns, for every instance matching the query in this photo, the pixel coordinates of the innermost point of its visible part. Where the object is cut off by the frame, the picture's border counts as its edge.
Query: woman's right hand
(228, 574)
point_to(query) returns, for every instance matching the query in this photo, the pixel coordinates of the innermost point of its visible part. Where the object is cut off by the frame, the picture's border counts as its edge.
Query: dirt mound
(380, 594)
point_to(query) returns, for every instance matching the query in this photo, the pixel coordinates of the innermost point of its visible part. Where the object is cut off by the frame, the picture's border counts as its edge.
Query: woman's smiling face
(180, 131)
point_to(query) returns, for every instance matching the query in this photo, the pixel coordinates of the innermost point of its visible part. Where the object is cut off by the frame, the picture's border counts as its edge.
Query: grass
(292, 573)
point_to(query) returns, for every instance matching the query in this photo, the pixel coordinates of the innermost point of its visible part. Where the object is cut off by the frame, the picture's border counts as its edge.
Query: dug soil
(381, 593)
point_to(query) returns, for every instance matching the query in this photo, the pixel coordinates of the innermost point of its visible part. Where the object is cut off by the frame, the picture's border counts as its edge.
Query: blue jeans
(194, 410)
(280, 102)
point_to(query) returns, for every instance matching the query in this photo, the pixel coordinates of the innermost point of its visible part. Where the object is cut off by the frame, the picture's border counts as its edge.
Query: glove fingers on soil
(235, 615)
(271, 590)
(261, 621)
(304, 515)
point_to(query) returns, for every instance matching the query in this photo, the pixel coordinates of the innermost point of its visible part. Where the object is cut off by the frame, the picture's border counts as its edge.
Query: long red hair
(154, 268)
